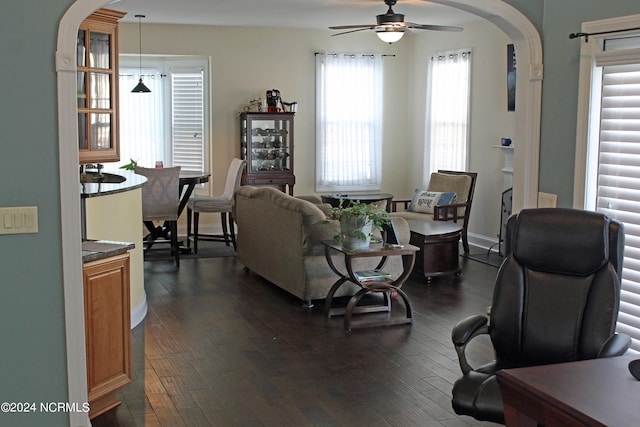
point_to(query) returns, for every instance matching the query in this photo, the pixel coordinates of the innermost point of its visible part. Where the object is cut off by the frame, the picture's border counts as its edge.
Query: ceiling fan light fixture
(390, 35)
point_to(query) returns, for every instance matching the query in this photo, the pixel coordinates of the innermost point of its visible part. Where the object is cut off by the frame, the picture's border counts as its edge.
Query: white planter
(353, 229)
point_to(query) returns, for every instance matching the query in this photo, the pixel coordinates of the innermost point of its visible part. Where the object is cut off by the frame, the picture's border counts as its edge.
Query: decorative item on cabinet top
(273, 103)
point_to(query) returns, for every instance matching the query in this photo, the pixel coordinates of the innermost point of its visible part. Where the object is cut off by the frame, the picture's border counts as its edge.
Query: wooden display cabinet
(267, 146)
(97, 68)
(108, 330)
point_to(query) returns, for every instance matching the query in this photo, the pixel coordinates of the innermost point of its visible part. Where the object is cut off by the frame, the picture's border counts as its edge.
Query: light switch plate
(19, 219)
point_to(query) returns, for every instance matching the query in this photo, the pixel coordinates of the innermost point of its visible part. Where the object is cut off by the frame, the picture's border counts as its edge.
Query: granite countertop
(93, 250)
(132, 182)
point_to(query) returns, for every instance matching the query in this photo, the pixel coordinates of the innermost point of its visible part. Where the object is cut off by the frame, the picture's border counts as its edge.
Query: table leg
(352, 307)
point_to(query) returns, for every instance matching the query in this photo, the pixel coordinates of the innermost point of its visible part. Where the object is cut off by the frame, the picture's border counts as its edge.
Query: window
(168, 124)
(348, 122)
(610, 79)
(449, 90)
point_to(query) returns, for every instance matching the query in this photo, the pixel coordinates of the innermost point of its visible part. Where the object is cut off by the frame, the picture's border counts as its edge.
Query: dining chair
(160, 200)
(213, 204)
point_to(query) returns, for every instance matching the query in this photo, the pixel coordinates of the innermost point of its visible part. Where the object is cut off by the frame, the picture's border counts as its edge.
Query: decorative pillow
(424, 201)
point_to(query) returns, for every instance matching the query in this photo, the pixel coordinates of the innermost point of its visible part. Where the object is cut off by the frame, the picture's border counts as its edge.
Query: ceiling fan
(391, 26)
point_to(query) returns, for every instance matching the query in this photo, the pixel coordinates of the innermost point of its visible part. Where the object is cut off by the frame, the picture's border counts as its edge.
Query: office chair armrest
(463, 332)
(616, 345)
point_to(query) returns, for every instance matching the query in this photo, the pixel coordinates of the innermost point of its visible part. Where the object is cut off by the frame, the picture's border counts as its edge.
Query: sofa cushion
(424, 201)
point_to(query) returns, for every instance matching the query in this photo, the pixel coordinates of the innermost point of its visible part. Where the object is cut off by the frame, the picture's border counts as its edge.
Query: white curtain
(448, 110)
(142, 125)
(348, 122)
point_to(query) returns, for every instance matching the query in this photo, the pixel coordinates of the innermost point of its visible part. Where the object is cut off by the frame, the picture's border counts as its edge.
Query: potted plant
(357, 221)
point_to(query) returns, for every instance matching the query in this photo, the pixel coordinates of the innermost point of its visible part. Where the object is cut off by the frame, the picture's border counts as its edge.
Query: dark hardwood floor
(222, 347)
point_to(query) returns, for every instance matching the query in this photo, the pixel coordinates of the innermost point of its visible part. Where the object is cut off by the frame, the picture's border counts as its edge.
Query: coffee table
(389, 287)
(438, 242)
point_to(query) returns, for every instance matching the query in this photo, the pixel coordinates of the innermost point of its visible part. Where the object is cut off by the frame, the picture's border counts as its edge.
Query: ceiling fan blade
(432, 27)
(354, 31)
(348, 27)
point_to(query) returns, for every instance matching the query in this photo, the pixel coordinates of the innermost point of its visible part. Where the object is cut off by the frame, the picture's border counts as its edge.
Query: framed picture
(511, 78)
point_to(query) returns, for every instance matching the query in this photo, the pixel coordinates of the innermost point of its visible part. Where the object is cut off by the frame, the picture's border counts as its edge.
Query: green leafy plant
(130, 166)
(358, 214)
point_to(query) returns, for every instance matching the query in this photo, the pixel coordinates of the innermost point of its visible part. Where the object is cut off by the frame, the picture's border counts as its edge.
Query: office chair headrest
(567, 241)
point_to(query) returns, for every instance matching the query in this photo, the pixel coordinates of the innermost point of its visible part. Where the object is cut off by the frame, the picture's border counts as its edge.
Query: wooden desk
(599, 392)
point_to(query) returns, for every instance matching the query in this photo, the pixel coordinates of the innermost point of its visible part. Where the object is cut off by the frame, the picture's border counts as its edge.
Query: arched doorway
(529, 88)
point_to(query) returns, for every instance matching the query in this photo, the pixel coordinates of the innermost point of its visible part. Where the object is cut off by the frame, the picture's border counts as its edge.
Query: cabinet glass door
(100, 50)
(270, 145)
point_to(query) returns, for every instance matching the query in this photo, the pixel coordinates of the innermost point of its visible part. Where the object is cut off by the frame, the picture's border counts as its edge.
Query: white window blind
(449, 90)
(618, 181)
(348, 122)
(169, 123)
(187, 119)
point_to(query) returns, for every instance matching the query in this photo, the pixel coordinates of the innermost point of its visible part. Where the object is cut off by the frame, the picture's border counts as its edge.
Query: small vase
(353, 240)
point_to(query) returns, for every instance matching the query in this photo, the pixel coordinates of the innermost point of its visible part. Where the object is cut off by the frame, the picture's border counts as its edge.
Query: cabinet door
(97, 64)
(107, 329)
(269, 143)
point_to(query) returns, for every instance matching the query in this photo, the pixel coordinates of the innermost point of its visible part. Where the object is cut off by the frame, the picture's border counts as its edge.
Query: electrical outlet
(20, 219)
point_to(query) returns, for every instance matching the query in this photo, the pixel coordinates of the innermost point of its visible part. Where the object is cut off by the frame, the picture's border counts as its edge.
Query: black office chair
(555, 300)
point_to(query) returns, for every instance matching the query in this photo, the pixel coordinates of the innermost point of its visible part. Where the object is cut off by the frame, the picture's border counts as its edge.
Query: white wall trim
(70, 204)
(526, 39)
(483, 242)
(526, 156)
(139, 312)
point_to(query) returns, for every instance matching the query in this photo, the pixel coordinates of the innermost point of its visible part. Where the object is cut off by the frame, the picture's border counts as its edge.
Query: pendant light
(140, 88)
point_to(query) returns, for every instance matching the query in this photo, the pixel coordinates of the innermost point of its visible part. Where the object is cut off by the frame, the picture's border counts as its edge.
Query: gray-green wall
(560, 86)
(32, 354)
(32, 357)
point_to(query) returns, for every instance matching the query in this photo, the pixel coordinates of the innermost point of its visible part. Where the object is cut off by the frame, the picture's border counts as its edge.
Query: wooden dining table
(187, 183)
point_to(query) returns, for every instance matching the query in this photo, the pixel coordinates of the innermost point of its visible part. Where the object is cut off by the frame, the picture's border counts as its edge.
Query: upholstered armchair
(555, 300)
(462, 184)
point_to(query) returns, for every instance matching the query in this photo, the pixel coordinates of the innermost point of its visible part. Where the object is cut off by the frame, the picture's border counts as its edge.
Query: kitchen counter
(93, 250)
(132, 182)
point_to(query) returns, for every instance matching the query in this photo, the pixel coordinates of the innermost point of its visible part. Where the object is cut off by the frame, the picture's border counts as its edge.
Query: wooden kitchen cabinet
(108, 330)
(97, 87)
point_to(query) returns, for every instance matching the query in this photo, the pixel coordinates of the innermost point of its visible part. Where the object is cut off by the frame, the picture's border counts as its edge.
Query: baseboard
(483, 242)
(139, 312)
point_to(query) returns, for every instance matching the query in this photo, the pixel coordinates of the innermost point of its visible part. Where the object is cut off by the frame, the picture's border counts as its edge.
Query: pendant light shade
(140, 87)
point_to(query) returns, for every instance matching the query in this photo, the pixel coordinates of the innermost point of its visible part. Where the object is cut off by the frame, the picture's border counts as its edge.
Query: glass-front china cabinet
(97, 65)
(267, 146)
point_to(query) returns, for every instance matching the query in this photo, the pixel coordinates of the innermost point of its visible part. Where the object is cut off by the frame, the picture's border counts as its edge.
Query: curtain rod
(586, 35)
(352, 54)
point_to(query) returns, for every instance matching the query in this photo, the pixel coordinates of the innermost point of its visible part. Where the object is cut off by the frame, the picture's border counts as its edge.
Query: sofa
(279, 238)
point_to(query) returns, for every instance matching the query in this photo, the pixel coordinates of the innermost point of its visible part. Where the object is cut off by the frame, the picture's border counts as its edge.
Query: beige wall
(245, 62)
(490, 119)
